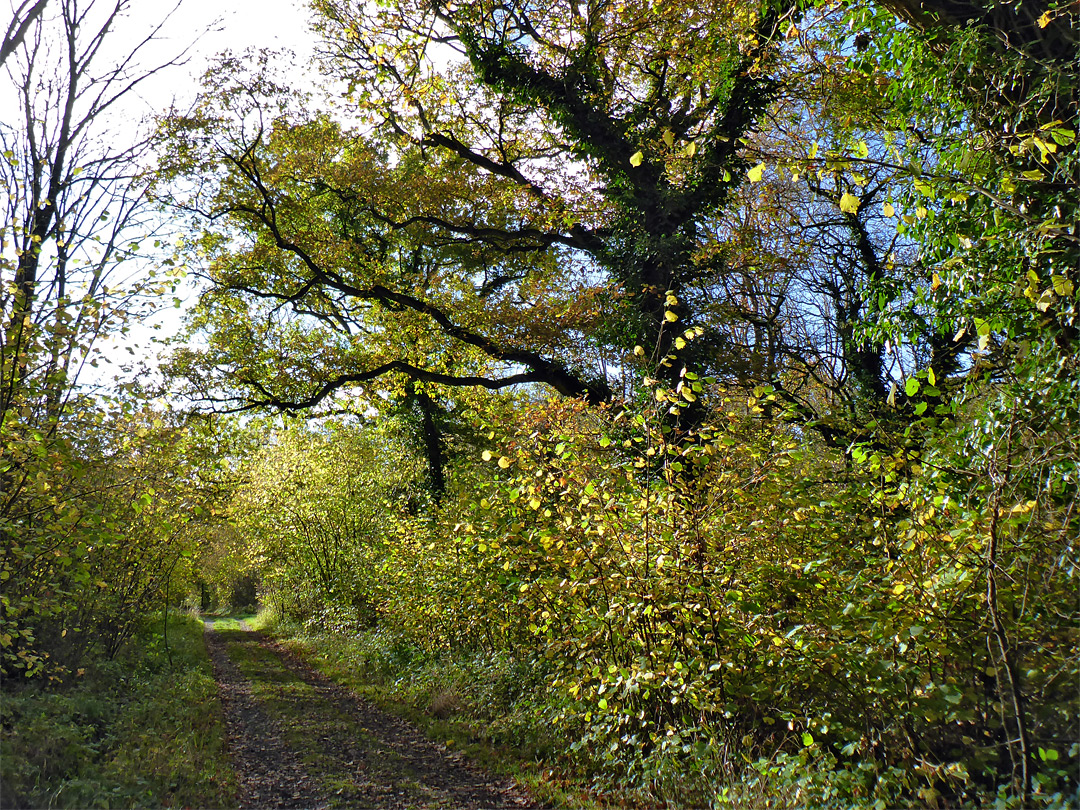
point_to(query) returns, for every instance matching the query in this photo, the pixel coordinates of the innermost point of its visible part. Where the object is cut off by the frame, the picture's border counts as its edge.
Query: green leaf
(911, 387)
(636, 158)
(807, 739)
(1063, 136)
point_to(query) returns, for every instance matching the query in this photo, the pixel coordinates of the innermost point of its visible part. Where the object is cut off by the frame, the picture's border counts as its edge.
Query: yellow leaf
(849, 203)
(636, 158)
(670, 316)
(691, 149)
(639, 351)
(1044, 20)
(935, 282)
(669, 138)
(755, 173)
(504, 462)
(899, 588)
(486, 455)
(888, 210)
(1062, 286)
(680, 343)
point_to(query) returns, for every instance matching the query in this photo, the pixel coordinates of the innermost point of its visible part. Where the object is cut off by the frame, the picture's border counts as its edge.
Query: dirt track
(299, 740)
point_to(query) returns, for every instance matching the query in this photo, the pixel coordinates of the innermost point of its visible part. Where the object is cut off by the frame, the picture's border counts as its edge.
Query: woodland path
(298, 740)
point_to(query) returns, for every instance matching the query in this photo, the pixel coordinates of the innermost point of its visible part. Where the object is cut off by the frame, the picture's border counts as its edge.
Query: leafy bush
(734, 616)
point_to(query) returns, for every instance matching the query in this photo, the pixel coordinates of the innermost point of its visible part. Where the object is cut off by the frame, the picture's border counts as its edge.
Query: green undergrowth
(484, 706)
(141, 730)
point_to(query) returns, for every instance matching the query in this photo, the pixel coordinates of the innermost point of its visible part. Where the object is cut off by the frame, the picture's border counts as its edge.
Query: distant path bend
(298, 740)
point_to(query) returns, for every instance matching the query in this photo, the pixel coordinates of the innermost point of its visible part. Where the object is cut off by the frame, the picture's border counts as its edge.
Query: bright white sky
(205, 28)
(243, 22)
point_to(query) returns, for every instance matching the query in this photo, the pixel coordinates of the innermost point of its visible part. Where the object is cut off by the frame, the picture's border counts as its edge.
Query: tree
(74, 212)
(881, 617)
(74, 204)
(536, 208)
(992, 90)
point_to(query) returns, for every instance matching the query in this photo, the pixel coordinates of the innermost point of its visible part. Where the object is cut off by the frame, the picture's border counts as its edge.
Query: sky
(205, 28)
(233, 25)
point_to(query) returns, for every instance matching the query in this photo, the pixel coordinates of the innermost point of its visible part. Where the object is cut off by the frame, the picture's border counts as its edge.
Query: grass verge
(142, 730)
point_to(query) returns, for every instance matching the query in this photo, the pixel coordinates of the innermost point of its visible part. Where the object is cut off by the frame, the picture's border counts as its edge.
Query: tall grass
(142, 730)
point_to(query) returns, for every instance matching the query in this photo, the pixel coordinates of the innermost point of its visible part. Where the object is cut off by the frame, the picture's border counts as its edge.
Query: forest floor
(299, 740)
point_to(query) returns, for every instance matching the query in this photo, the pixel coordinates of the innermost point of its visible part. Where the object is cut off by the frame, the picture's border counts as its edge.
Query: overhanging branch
(270, 400)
